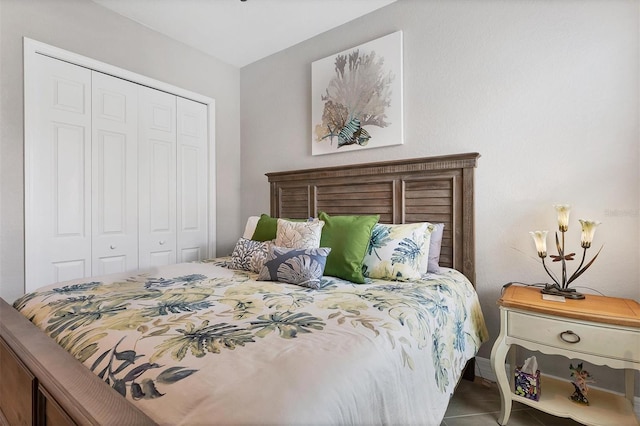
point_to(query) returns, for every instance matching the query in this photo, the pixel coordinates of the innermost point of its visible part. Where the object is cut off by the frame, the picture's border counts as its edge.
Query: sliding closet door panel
(69, 152)
(58, 173)
(115, 175)
(157, 178)
(192, 180)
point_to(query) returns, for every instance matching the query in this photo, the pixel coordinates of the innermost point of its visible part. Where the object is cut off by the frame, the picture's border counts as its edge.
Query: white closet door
(157, 177)
(192, 181)
(114, 174)
(58, 182)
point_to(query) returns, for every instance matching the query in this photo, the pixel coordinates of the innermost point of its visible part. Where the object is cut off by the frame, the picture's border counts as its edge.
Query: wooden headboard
(432, 189)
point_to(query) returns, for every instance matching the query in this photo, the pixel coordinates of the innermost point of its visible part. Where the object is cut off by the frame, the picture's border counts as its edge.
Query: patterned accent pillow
(299, 235)
(398, 252)
(249, 255)
(295, 266)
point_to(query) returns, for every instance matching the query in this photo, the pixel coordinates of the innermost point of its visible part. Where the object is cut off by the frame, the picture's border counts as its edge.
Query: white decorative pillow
(250, 227)
(398, 252)
(299, 235)
(435, 247)
(249, 255)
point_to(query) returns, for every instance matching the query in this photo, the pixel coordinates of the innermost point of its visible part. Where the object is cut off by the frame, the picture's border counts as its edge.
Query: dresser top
(603, 309)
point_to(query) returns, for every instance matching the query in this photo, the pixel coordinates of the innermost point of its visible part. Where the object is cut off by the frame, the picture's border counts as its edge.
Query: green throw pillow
(348, 237)
(267, 227)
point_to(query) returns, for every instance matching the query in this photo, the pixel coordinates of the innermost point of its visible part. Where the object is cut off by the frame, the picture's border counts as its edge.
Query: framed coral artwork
(357, 97)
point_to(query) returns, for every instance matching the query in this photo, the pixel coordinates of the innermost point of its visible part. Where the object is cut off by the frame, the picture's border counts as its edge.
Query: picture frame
(357, 100)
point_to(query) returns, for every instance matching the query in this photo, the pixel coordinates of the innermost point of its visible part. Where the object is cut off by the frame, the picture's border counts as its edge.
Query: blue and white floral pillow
(249, 255)
(295, 266)
(398, 252)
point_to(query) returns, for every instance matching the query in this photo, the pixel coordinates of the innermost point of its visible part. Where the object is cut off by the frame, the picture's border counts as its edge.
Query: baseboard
(484, 370)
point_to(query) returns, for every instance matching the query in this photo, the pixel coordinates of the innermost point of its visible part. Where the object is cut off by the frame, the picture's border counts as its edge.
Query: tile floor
(477, 404)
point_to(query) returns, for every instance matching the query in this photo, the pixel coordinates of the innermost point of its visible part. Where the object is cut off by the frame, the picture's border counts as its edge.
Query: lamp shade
(588, 230)
(563, 216)
(540, 238)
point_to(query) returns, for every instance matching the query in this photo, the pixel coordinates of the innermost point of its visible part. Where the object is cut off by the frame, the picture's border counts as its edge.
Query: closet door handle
(161, 242)
(574, 338)
(112, 247)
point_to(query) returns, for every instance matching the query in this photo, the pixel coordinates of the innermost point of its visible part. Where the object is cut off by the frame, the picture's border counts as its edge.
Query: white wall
(86, 28)
(546, 91)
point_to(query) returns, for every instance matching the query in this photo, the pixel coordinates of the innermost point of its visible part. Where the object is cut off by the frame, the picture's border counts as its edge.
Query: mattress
(199, 343)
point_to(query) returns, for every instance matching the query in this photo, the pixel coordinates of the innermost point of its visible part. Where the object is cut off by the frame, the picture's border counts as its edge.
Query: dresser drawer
(594, 339)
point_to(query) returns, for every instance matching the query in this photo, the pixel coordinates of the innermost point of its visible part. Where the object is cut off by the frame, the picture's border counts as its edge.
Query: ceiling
(241, 32)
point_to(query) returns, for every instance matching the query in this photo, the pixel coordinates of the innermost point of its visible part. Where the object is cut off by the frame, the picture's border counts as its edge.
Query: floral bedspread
(199, 343)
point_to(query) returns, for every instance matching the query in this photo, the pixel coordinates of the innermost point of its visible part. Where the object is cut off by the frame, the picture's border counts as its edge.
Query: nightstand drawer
(593, 339)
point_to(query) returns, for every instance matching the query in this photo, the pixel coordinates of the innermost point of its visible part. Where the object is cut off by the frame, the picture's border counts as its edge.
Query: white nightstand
(600, 330)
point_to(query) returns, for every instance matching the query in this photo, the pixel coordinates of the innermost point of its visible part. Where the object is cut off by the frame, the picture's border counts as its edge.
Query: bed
(204, 343)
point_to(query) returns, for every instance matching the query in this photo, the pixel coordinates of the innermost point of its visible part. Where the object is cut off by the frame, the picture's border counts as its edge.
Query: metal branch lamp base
(567, 293)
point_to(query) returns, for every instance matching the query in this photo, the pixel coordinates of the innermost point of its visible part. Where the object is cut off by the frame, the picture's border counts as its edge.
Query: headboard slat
(431, 189)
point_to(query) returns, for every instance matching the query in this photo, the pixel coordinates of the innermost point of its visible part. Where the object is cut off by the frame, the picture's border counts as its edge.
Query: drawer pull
(573, 339)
